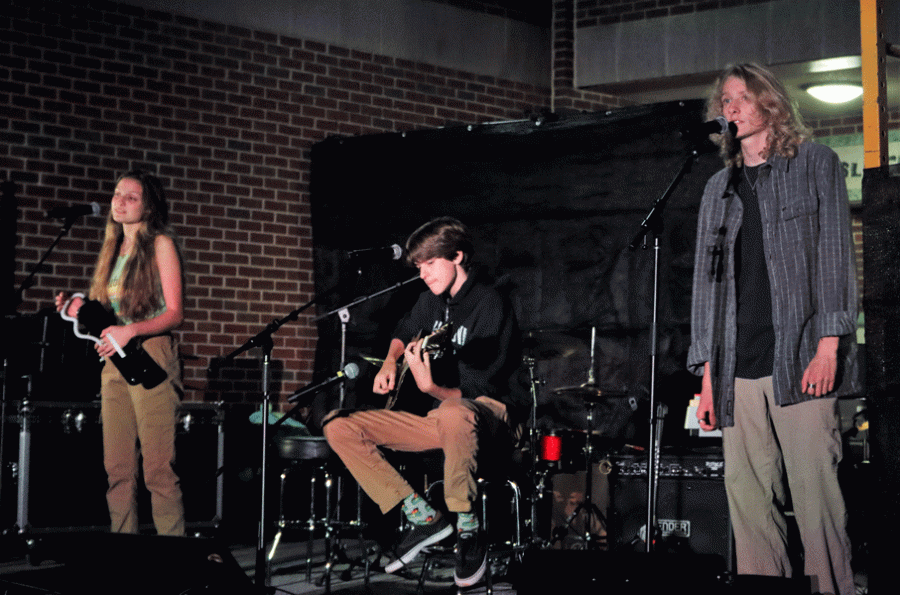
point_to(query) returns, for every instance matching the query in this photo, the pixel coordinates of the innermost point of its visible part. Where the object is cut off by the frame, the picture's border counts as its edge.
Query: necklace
(751, 182)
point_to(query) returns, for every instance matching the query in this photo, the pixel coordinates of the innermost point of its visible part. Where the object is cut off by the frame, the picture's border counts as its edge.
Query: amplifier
(702, 465)
(692, 510)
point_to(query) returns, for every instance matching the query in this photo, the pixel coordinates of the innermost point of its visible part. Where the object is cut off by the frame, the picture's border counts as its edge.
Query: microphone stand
(653, 224)
(343, 313)
(8, 189)
(67, 225)
(264, 340)
(333, 551)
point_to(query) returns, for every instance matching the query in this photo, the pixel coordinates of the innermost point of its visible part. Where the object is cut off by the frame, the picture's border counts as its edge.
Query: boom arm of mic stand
(653, 221)
(26, 284)
(260, 338)
(366, 298)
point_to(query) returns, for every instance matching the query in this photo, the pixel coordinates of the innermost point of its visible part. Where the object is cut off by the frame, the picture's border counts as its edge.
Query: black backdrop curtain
(553, 203)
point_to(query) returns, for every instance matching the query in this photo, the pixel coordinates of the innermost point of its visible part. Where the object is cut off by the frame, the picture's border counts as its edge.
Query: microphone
(392, 252)
(74, 212)
(349, 372)
(718, 126)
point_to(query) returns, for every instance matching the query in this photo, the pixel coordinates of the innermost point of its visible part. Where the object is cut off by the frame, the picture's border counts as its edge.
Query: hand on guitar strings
(386, 377)
(419, 362)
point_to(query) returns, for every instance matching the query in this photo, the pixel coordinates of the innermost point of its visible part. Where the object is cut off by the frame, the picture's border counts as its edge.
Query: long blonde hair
(141, 293)
(786, 128)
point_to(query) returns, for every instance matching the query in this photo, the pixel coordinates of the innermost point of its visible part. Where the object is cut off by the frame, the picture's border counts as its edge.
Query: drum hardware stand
(590, 392)
(653, 224)
(540, 475)
(587, 505)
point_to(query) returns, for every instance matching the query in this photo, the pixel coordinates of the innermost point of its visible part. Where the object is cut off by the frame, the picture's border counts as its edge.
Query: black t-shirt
(755, 333)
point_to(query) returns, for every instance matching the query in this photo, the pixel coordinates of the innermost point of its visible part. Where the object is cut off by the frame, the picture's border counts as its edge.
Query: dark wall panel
(881, 238)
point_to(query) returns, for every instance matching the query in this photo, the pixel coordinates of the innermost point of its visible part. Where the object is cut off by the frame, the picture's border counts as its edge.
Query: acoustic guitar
(135, 364)
(399, 398)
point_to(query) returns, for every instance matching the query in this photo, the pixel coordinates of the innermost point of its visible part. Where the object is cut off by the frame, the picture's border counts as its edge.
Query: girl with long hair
(139, 278)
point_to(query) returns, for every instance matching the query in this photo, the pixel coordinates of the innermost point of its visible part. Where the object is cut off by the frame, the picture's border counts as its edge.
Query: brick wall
(850, 125)
(565, 95)
(227, 116)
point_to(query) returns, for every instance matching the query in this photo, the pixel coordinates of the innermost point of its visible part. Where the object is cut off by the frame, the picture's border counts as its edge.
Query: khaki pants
(139, 422)
(802, 441)
(465, 430)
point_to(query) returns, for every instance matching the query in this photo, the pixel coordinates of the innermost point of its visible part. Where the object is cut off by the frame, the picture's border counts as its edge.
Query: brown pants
(132, 415)
(800, 441)
(465, 430)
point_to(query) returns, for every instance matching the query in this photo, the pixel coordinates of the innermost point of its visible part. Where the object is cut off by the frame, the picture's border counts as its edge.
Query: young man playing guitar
(473, 407)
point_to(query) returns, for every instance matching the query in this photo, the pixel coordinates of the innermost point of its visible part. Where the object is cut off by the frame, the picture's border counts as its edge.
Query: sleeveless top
(114, 290)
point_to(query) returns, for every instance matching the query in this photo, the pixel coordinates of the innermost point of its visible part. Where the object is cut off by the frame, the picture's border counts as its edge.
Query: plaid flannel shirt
(810, 260)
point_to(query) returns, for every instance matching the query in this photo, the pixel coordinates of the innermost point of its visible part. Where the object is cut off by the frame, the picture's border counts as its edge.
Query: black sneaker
(418, 537)
(471, 558)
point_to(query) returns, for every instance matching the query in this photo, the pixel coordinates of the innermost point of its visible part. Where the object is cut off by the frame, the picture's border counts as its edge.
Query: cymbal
(552, 343)
(588, 392)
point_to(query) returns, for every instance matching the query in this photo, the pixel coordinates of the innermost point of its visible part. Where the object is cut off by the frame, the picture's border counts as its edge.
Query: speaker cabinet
(60, 445)
(692, 510)
(106, 563)
(595, 571)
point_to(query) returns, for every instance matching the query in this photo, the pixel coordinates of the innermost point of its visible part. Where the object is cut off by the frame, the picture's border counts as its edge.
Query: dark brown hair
(440, 238)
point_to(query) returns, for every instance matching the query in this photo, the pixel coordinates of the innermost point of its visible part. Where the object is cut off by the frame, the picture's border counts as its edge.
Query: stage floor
(27, 575)
(546, 572)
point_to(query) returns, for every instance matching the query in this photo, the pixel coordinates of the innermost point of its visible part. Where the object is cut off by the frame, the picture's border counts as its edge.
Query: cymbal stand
(540, 474)
(533, 383)
(587, 505)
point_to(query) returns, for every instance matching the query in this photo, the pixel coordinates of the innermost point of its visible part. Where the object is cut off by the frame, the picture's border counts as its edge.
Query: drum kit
(554, 447)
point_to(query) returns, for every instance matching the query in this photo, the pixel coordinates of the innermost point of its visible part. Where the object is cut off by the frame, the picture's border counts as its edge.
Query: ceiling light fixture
(835, 92)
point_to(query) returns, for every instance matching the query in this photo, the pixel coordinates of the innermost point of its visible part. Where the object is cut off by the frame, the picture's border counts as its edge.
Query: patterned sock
(466, 522)
(418, 511)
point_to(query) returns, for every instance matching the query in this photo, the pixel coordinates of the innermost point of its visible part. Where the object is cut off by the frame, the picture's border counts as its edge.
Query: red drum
(551, 447)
